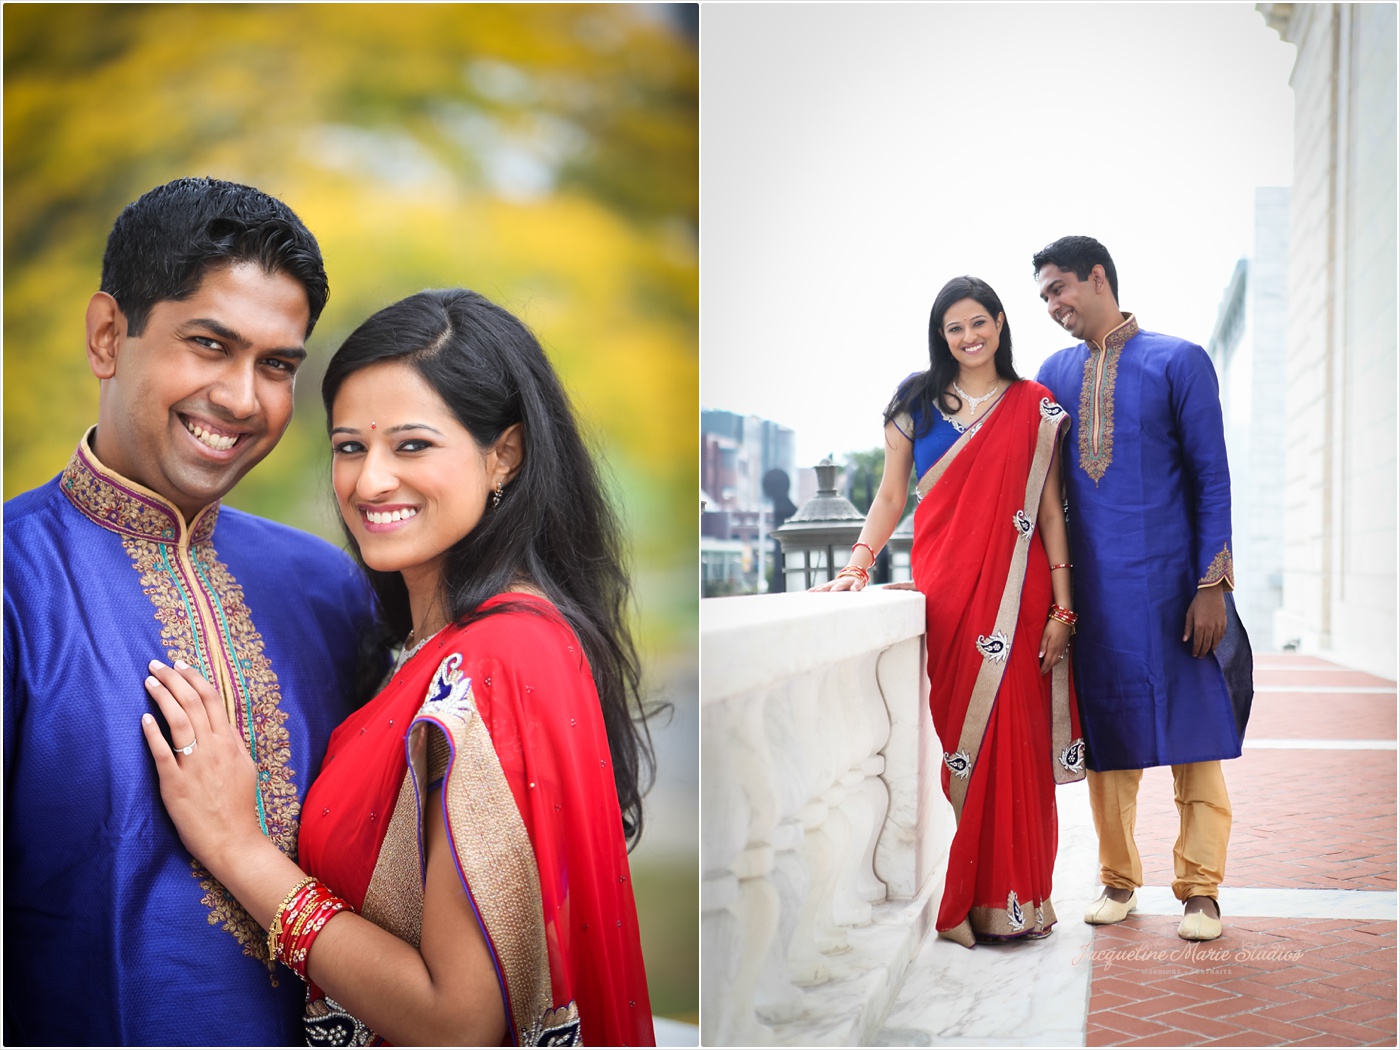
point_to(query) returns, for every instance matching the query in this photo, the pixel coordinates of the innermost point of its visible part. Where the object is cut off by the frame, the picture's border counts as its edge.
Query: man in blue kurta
(113, 933)
(1148, 489)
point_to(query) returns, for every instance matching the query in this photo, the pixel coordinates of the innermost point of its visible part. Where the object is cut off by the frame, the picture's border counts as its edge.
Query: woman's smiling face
(410, 479)
(973, 334)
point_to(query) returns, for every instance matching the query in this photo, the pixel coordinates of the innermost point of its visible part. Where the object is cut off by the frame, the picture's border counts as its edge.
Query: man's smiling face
(1068, 300)
(205, 391)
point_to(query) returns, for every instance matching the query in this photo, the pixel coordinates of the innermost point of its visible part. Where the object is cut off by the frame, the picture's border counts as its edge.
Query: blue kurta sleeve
(12, 699)
(1195, 395)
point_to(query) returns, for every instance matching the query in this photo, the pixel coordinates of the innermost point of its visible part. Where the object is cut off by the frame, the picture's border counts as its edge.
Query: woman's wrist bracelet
(856, 571)
(867, 546)
(1065, 616)
(299, 919)
(274, 929)
(1062, 565)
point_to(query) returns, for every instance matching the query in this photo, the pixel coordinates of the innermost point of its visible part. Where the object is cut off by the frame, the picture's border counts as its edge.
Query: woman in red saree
(990, 554)
(463, 873)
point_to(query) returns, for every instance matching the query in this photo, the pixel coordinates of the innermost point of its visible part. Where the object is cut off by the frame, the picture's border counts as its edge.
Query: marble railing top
(751, 642)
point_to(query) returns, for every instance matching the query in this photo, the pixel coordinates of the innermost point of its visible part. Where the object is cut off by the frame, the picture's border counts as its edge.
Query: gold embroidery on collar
(1127, 328)
(125, 507)
(1096, 399)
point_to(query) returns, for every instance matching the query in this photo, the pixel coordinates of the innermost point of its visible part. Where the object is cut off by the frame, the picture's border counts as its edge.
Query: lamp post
(811, 539)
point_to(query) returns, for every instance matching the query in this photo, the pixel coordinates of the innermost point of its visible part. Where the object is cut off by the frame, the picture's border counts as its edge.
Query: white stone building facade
(1340, 538)
(1249, 348)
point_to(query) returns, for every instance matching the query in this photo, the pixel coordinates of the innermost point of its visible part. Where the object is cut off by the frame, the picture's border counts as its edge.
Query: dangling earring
(496, 496)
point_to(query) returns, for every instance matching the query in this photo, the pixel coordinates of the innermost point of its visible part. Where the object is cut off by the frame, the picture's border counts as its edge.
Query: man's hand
(1205, 620)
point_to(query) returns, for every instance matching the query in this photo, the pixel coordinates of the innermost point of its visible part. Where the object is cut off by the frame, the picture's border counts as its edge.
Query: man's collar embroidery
(1118, 336)
(125, 507)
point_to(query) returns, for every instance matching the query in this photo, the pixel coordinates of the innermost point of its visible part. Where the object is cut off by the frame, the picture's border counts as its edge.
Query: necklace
(412, 643)
(973, 402)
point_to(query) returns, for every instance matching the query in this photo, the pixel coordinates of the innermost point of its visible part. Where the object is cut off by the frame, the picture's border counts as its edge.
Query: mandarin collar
(127, 508)
(1115, 339)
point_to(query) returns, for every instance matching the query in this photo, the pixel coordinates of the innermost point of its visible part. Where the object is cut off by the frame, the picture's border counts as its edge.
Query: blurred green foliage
(544, 155)
(864, 469)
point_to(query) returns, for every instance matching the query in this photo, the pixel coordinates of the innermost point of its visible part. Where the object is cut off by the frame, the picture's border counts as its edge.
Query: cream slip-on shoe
(1106, 910)
(1199, 926)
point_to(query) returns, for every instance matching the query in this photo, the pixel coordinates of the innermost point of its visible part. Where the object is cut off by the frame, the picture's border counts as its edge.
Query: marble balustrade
(822, 816)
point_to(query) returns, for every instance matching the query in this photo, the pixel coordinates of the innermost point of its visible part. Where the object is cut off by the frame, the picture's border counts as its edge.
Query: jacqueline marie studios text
(1194, 952)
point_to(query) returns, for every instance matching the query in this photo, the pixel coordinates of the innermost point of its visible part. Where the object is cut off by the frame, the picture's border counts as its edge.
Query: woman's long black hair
(923, 389)
(554, 527)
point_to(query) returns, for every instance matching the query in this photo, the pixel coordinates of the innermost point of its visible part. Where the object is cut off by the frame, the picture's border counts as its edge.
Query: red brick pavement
(1282, 675)
(1304, 819)
(1324, 716)
(1265, 982)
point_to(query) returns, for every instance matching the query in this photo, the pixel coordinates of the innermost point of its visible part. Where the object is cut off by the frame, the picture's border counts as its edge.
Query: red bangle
(1064, 616)
(854, 570)
(298, 922)
(1062, 565)
(867, 546)
(315, 922)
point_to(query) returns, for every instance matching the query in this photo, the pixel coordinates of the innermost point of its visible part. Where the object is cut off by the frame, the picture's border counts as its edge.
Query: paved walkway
(1308, 956)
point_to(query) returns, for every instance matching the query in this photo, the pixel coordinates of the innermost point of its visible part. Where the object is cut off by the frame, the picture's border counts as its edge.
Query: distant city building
(1339, 520)
(1249, 347)
(736, 453)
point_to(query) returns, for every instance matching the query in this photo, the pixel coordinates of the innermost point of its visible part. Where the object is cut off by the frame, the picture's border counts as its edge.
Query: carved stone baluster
(778, 1000)
(820, 788)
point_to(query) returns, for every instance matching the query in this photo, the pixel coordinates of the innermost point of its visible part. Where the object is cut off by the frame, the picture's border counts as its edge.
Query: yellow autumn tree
(543, 155)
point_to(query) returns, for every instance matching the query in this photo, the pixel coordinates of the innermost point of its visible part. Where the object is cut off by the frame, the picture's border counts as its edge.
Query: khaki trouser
(1198, 857)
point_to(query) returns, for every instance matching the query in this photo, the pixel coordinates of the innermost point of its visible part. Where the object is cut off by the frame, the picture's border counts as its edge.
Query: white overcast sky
(854, 157)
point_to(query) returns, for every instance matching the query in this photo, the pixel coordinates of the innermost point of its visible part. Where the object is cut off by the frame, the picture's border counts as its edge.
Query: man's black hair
(1078, 255)
(163, 244)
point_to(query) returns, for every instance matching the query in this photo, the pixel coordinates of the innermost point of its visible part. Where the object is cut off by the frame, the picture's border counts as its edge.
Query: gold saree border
(1002, 923)
(394, 899)
(1067, 750)
(497, 862)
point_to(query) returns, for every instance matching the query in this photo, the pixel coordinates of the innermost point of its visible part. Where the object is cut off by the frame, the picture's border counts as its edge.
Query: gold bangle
(274, 929)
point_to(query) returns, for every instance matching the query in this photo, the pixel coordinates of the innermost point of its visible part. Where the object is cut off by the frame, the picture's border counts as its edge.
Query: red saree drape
(531, 809)
(1008, 732)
